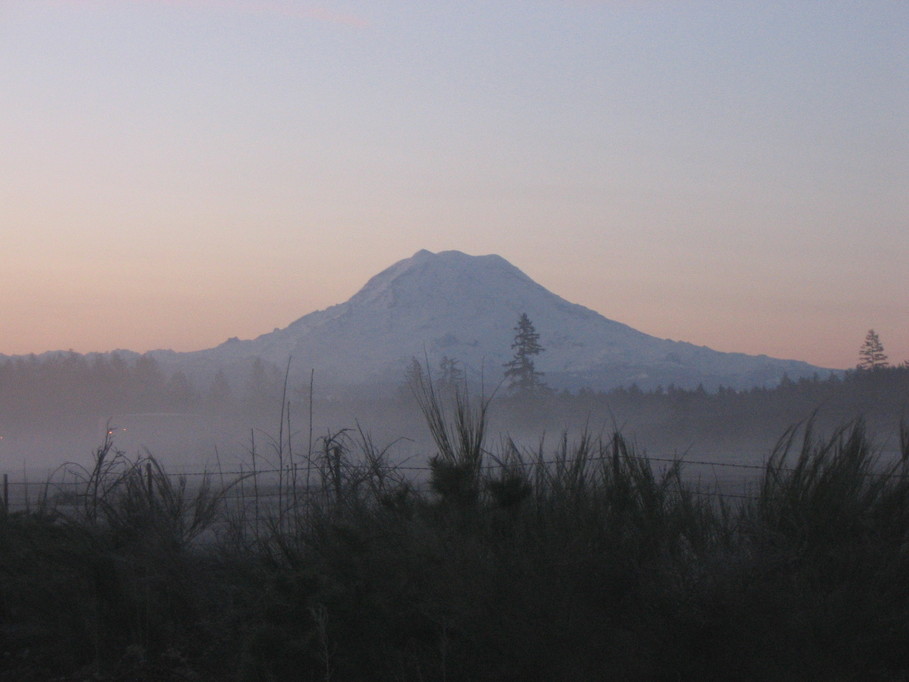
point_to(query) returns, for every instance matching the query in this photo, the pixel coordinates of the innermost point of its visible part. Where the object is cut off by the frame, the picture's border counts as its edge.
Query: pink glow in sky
(730, 174)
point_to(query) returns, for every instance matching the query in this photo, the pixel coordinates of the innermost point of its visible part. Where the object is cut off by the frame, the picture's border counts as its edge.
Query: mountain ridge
(465, 307)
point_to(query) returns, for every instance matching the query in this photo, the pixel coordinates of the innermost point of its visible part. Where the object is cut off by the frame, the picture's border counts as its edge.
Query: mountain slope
(465, 307)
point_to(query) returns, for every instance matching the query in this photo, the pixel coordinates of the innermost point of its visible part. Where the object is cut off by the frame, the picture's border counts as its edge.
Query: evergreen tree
(520, 372)
(450, 375)
(414, 374)
(871, 354)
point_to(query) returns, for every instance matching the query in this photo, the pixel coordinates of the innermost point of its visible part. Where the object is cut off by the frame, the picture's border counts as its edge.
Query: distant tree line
(42, 393)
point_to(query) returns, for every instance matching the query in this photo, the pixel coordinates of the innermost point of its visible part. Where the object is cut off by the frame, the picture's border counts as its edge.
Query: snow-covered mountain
(465, 307)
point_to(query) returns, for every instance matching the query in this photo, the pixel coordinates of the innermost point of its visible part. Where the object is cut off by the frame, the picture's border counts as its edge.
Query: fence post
(6, 493)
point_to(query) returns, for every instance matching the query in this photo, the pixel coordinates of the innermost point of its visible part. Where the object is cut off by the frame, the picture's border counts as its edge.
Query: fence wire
(253, 482)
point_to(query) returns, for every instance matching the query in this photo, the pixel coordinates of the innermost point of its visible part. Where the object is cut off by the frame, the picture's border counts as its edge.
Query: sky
(733, 173)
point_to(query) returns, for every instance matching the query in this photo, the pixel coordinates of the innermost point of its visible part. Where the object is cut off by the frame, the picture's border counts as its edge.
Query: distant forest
(38, 393)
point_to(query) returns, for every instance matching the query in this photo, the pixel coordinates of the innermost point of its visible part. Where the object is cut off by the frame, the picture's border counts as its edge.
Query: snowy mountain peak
(426, 275)
(465, 307)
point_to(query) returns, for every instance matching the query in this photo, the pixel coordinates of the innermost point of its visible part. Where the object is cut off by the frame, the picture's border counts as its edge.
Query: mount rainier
(465, 307)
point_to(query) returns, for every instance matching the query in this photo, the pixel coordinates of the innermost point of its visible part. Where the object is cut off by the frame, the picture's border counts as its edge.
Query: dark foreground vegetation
(577, 562)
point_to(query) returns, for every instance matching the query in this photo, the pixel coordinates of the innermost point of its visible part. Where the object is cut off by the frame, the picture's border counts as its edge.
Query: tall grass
(581, 559)
(103, 575)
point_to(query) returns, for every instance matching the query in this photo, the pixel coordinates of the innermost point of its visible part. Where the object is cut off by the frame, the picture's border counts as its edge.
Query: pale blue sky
(734, 174)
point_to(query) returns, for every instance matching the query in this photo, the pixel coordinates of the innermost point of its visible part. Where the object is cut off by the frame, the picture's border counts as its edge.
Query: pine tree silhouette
(520, 372)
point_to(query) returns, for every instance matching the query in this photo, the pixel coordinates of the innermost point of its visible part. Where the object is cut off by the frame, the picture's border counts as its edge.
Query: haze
(729, 174)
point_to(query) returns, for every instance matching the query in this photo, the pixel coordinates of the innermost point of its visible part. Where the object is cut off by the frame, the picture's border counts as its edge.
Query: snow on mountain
(465, 307)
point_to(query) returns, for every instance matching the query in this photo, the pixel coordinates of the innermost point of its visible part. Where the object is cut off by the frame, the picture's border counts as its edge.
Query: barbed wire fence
(22, 494)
